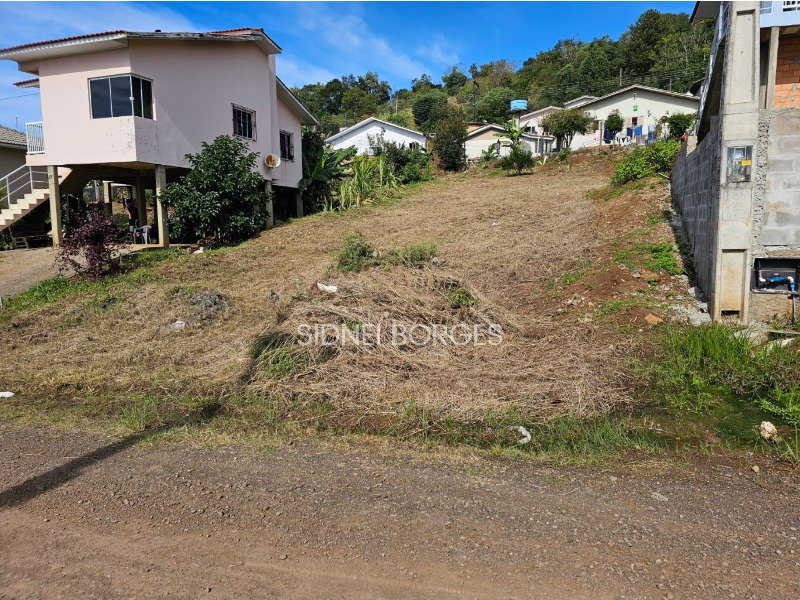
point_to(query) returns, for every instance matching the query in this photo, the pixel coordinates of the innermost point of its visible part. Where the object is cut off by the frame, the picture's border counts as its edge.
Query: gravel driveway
(82, 516)
(21, 269)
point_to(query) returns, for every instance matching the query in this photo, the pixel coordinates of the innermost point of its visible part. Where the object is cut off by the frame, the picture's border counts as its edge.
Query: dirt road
(82, 516)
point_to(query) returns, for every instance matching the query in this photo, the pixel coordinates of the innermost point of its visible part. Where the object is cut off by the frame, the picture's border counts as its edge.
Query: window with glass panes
(121, 96)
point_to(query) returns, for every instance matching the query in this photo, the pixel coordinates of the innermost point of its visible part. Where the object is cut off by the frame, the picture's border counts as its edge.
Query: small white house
(640, 107)
(532, 121)
(480, 139)
(359, 135)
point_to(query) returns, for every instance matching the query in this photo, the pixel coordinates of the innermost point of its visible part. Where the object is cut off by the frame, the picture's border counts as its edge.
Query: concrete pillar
(299, 201)
(55, 205)
(141, 201)
(161, 212)
(738, 127)
(107, 206)
(774, 38)
(270, 206)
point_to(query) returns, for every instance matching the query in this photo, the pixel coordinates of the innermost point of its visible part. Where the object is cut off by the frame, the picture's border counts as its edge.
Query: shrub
(222, 195)
(408, 165)
(646, 161)
(87, 248)
(518, 159)
(355, 253)
(416, 253)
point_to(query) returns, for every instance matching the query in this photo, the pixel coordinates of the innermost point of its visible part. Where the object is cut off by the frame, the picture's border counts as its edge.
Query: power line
(21, 96)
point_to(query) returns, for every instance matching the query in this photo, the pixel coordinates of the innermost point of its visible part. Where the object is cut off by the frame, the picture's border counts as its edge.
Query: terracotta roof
(66, 39)
(12, 137)
(28, 83)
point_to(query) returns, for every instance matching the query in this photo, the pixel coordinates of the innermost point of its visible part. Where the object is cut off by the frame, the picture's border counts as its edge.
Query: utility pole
(620, 77)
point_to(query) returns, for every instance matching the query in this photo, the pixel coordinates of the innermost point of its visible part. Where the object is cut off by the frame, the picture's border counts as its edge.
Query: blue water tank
(519, 105)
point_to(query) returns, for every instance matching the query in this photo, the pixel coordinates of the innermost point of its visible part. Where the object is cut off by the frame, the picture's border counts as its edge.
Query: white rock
(767, 430)
(330, 289)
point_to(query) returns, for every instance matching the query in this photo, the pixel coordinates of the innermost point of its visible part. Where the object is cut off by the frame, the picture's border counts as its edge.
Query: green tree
(679, 124)
(614, 124)
(448, 143)
(495, 104)
(222, 195)
(453, 81)
(565, 124)
(426, 108)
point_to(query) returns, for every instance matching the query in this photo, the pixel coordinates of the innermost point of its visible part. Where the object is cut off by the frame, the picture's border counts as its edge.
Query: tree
(222, 195)
(495, 104)
(564, 124)
(425, 109)
(448, 143)
(453, 81)
(512, 133)
(614, 124)
(679, 123)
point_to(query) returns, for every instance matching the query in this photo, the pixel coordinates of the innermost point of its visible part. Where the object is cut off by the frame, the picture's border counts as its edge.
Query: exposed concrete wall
(777, 207)
(695, 193)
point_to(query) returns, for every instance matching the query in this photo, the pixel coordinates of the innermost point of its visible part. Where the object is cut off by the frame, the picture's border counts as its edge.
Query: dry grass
(503, 238)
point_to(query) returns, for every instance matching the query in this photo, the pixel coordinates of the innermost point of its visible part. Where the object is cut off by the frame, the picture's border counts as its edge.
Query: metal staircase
(21, 191)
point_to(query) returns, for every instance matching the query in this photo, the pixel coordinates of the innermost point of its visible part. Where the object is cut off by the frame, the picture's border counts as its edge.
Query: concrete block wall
(787, 76)
(780, 219)
(695, 193)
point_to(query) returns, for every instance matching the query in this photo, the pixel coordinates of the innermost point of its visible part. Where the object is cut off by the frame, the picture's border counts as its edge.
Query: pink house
(126, 107)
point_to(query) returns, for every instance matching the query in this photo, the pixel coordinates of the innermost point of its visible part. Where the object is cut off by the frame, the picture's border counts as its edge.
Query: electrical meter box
(740, 164)
(776, 269)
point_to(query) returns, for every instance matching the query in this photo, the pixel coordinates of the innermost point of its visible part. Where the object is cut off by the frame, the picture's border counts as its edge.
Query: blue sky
(323, 40)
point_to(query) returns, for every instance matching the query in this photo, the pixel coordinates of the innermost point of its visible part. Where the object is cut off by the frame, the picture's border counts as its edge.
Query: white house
(639, 106)
(480, 139)
(127, 106)
(359, 135)
(532, 121)
(579, 101)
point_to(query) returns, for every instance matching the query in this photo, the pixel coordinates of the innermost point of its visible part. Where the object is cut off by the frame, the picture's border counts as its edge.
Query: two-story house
(127, 106)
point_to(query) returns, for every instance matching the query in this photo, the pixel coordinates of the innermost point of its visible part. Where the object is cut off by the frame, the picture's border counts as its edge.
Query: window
(634, 121)
(121, 96)
(287, 147)
(244, 122)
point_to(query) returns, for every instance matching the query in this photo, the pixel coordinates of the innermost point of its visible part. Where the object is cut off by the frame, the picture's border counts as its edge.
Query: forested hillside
(661, 50)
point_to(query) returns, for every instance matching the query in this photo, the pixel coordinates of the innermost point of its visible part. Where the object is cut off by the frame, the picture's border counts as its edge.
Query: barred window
(244, 122)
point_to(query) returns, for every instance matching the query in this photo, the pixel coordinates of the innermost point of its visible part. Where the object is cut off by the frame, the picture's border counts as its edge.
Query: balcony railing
(19, 182)
(780, 14)
(35, 134)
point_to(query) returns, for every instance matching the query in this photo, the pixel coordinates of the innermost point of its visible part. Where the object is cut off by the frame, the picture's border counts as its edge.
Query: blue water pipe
(792, 289)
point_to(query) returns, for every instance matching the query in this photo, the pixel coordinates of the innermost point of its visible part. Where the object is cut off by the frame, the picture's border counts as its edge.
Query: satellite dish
(272, 160)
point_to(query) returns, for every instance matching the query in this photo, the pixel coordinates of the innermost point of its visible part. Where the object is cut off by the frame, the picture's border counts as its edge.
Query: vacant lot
(534, 252)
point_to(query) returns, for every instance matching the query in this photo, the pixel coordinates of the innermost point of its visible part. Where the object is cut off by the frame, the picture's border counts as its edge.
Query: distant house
(532, 121)
(640, 107)
(12, 150)
(127, 106)
(579, 101)
(480, 139)
(360, 134)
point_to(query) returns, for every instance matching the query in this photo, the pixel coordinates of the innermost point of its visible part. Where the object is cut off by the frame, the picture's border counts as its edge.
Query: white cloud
(351, 44)
(296, 72)
(25, 22)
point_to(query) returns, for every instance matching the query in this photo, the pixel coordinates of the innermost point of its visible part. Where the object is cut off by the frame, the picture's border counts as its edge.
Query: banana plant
(320, 172)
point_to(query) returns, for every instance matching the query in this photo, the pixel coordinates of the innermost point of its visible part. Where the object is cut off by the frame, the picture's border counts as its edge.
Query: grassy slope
(522, 245)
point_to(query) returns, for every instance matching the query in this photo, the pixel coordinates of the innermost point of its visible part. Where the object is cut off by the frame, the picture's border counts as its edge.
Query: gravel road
(84, 516)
